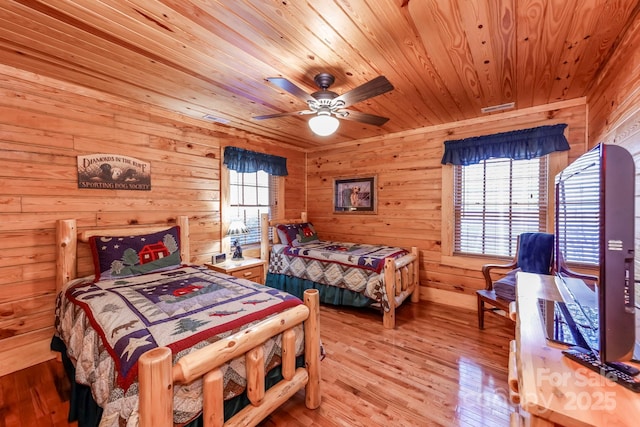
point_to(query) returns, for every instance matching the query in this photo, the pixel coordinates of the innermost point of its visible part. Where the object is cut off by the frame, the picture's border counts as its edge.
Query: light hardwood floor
(435, 369)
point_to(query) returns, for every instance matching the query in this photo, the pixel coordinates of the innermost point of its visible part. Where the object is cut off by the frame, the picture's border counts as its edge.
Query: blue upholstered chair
(534, 254)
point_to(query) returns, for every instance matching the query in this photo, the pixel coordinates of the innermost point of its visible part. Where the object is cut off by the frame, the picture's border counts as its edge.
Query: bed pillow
(307, 233)
(297, 234)
(287, 233)
(126, 256)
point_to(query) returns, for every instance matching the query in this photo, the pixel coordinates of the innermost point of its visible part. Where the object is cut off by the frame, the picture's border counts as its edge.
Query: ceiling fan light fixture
(323, 124)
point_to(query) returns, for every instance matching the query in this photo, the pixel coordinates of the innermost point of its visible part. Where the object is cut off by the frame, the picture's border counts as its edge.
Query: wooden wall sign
(113, 172)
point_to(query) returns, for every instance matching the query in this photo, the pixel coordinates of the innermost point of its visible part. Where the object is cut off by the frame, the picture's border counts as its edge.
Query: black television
(594, 227)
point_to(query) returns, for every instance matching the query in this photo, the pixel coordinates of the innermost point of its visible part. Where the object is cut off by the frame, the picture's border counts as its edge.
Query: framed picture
(355, 195)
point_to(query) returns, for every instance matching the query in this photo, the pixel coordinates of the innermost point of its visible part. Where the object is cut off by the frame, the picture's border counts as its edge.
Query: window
(252, 194)
(578, 226)
(495, 201)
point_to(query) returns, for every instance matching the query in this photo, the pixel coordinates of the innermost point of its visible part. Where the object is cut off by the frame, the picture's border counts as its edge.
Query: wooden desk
(552, 388)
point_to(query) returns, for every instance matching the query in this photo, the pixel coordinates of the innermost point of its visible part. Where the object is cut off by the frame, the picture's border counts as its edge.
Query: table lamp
(237, 228)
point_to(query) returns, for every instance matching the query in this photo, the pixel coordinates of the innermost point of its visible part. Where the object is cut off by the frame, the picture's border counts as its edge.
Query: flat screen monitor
(594, 228)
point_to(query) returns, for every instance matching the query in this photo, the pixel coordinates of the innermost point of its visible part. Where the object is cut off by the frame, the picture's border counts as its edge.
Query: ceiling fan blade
(292, 113)
(372, 88)
(357, 116)
(285, 84)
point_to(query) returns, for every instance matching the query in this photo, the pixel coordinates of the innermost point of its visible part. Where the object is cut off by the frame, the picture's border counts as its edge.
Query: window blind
(495, 201)
(579, 234)
(252, 194)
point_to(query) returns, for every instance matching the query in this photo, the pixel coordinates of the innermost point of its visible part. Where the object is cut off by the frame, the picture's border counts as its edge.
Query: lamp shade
(323, 124)
(236, 228)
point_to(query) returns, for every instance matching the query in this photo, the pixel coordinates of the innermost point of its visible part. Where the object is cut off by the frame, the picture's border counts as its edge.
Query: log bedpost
(254, 363)
(156, 388)
(312, 348)
(183, 222)
(288, 354)
(389, 317)
(264, 237)
(67, 241)
(415, 275)
(213, 399)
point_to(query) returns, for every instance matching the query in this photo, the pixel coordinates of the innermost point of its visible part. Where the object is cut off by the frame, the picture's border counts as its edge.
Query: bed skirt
(328, 294)
(85, 410)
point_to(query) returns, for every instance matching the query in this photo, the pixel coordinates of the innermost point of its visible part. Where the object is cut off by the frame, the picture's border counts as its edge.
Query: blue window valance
(244, 161)
(516, 145)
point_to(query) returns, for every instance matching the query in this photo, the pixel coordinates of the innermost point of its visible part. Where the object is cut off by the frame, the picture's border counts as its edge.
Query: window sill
(252, 250)
(472, 262)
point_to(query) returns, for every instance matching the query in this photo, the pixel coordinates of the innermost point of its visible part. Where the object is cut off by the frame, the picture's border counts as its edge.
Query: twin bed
(153, 342)
(154, 339)
(350, 274)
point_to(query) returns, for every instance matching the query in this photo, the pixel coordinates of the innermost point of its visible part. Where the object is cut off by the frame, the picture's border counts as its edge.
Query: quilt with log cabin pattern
(107, 325)
(354, 266)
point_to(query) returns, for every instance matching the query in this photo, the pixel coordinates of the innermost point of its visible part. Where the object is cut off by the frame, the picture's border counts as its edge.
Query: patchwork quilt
(357, 267)
(107, 325)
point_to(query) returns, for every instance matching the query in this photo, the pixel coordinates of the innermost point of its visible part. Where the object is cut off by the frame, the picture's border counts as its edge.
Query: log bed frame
(401, 275)
(157, 375)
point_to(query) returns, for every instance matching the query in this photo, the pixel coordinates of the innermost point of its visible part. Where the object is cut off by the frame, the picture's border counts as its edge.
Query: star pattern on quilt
(368, 261)
(134, 344)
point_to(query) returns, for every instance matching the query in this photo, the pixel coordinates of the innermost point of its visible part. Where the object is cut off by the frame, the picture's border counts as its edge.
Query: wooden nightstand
(253, 269)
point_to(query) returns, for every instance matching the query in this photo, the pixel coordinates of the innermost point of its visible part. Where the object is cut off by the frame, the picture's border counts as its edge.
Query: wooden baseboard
(449, 298)
(15, 359)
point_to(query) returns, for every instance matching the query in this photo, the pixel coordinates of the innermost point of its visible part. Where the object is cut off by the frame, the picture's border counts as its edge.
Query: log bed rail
(401, 275)
(157, 375)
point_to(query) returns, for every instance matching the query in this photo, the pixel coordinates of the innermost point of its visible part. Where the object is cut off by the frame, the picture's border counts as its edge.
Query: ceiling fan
(328, 106)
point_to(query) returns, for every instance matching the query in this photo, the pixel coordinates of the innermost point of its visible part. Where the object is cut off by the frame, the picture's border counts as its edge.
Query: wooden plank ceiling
(446, 59)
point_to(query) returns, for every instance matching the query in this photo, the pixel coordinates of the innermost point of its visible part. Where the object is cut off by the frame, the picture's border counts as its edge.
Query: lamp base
(237, 252)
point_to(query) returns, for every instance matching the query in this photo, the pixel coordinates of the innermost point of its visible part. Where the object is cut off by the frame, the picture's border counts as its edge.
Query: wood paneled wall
(614, 110)
(44, 125)
(410, 192)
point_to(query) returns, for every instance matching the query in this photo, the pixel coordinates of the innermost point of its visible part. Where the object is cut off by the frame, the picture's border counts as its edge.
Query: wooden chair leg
(480, 313)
